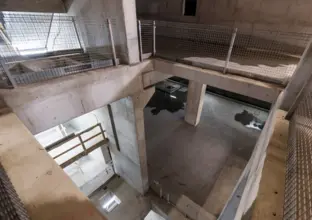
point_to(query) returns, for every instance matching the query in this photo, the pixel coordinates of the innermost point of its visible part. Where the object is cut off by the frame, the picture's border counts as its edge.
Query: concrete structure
(91, 15)
(47, 192)
(40, 106)
(286, 15)
(191, 164)
(194, 105)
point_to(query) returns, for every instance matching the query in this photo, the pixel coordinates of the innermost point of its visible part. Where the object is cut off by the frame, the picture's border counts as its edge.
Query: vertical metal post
(111, 117)
(230, 50)
(112, 41)
(82, 144)
(154, 38)
(102, 131)
(140, 40)
(8, 73)
(46, 46)
(75, 26)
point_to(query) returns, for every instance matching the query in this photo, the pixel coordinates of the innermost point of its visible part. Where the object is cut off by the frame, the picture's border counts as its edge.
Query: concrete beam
(252, 88)
(44, 105)
(153, 77)
(195, 100)
(56, 6)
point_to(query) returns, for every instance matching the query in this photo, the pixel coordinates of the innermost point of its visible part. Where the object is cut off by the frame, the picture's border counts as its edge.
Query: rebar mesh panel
(267, 55)
(11, 207)
(204, 44)
(147, 36)
(41, 46)
(298, 189)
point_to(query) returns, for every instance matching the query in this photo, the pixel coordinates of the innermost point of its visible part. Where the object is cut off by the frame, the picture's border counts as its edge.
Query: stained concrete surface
(186, 159)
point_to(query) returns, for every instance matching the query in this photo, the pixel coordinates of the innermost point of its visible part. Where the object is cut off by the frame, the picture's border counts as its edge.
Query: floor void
(189, 160)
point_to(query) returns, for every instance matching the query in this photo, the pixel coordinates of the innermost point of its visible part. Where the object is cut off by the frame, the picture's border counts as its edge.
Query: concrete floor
(188, 160)
(134, 206)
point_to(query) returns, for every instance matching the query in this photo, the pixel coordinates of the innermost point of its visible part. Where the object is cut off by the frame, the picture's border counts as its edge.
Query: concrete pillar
(95, 12)
(127, 142)
(195, 101)
(131, 30)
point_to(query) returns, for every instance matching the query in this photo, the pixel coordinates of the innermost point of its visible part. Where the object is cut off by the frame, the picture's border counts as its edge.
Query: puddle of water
(171, 102)
(249, 120)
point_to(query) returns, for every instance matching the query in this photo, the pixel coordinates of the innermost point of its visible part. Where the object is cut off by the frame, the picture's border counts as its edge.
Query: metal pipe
(78, 37)
(46, 46)
(112, 41)
(140, 40)
(230, 50)
(154, 38)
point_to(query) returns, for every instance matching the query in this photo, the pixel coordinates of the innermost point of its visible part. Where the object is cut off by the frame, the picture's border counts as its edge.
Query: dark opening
(190, 7)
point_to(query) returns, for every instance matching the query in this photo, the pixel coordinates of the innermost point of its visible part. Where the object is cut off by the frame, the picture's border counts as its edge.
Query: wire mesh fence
(147, 36)
(298, 189)
(266, 55)
(192, 43)
(41, 46)
(11, 207)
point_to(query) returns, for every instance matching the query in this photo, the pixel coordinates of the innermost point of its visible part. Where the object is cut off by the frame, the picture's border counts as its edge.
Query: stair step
(183, 204)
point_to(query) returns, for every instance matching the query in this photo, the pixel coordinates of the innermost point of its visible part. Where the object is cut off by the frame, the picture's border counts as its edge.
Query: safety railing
(298, 189)
(41, 46)
(266, 55)
(75, 146)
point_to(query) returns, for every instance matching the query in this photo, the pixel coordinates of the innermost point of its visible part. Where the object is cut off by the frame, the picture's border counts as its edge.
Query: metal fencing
(41, 46)
(11, 207)
(265, 55)
(298, 189)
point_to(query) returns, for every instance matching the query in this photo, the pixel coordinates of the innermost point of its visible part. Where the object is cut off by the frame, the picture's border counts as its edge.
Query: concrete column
(128, 143)
(194, 105)
(131, 30)
(122, 12)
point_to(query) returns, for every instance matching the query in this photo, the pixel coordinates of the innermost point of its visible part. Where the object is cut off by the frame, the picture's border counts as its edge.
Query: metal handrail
(82, 141)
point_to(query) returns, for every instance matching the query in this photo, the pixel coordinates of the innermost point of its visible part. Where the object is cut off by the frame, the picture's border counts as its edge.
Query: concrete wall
(56, 6)
(287, 15)
(127, 145)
